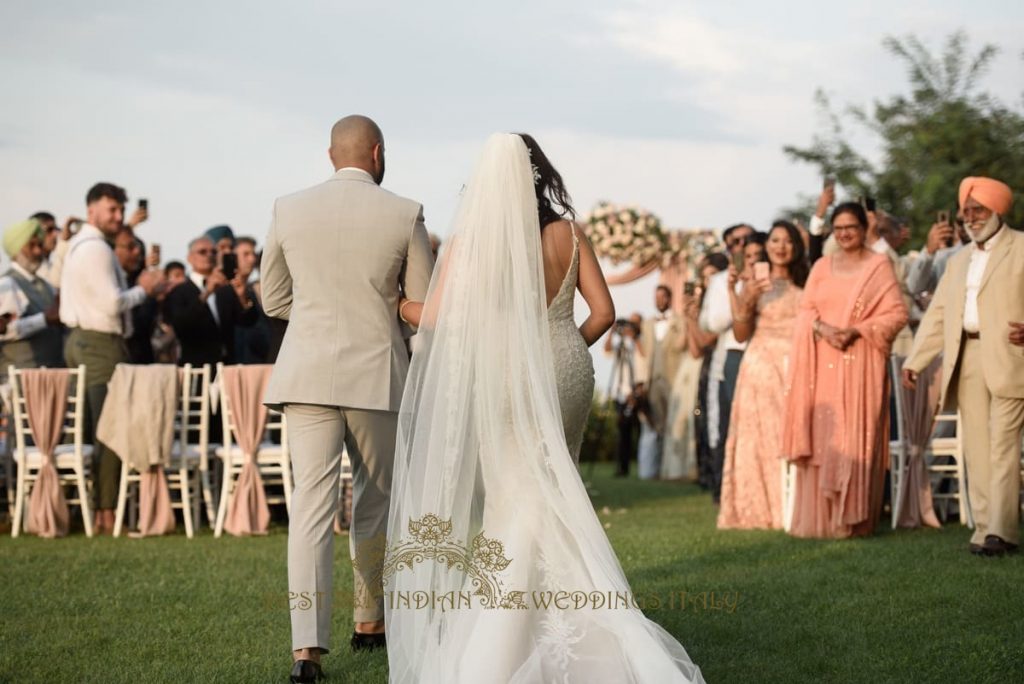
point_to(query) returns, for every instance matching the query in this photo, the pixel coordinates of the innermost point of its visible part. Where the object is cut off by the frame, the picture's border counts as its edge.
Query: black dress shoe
(368, 642)
(997, 546)
(306, 671)
(976, 549)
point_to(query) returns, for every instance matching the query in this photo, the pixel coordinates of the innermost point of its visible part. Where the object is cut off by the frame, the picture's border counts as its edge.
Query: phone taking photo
(229, 266)
(762, 270)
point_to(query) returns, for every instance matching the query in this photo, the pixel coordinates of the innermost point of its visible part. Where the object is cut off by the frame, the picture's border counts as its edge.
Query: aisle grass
(748, 606)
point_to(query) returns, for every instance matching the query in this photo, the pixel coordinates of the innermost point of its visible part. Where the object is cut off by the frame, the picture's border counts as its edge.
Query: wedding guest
(703, 343)
(621, 344)
(96, 303)
(660, 339)
(223, 239)
(174, 271)
(130, 255)
(817, 229)
(252, 342)
(33, 336)
(973, 322)
(716, 318)
(205, 310)
(886, 238)
(836, 422)
(679, 452)
(923, 275)
(764, 313)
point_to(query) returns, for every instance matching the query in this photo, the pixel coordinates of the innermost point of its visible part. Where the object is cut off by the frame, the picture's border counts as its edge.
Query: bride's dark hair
(553, 201)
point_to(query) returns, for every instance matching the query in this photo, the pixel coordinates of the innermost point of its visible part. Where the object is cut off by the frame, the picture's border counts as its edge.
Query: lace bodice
(574, 368)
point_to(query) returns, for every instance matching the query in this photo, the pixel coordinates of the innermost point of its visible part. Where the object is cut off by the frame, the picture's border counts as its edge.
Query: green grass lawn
(910, 606)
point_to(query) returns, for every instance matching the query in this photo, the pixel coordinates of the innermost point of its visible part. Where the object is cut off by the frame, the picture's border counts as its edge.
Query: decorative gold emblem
(481, 561)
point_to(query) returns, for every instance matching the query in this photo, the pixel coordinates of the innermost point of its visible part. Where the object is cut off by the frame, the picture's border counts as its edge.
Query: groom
(337, 258)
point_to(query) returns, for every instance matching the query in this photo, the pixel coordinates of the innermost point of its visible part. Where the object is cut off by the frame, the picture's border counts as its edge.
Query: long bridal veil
(497, 568)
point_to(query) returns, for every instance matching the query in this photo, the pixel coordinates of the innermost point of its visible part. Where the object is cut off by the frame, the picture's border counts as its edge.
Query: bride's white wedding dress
(497, 569)
(574, 367)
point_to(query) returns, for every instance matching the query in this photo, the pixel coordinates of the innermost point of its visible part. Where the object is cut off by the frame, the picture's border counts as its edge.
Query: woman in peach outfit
(837, 410)
(764, 312)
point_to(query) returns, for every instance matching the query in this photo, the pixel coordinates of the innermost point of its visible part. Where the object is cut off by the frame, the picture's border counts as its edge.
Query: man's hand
(825, 200)
(215, 280)
(6, 320)
(909, 379)
(940, 235)
(138, 216)
(1017, 334)
(152, 282)
(692, 308)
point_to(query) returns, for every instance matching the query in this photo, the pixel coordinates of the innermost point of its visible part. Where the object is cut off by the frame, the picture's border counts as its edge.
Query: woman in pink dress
(837, 410)
(764, 313)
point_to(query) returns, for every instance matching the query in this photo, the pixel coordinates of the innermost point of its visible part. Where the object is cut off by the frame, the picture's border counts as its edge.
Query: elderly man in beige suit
(337, 259)
(970, 321)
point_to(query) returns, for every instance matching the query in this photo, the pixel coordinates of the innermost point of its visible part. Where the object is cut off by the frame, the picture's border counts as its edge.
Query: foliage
(943, 130)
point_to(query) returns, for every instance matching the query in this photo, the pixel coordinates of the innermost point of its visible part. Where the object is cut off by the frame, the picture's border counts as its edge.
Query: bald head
(357, 141)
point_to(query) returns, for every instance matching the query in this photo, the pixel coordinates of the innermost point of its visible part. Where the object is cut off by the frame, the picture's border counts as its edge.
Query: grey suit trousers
(316, 435)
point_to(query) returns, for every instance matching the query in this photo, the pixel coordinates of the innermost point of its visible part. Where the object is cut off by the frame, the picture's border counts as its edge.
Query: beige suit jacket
(336, 259)
(662, 358)
(1000, 301)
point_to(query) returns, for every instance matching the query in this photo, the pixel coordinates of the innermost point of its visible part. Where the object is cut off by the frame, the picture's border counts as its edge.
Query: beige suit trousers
(992, 444)
(316, 435)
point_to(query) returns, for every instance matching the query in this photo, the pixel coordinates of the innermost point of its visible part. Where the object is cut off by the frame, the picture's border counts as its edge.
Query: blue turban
(218, 233)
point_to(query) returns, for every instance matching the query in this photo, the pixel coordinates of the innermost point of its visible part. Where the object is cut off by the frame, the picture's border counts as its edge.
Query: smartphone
(830, 182)
(943, 217)
(868, 203)
(144, 204)
(739, 262)
(762, 270)
(689, 288)
(229, 266)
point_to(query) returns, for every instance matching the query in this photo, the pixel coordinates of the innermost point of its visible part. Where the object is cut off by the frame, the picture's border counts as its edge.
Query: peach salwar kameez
(836, 428)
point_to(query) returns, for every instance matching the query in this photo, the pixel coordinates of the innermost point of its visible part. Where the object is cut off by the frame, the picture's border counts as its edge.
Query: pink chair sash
(46, 397)
(245, 386)
(916, 490)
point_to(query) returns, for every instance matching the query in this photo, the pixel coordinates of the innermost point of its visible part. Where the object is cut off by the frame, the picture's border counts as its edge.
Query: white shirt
(881, 246)
(816, 226)
(93, 288)
(661, 325)
(716, 317)
(51, 269)
(975, 273)
(199, 281)
(14, 301)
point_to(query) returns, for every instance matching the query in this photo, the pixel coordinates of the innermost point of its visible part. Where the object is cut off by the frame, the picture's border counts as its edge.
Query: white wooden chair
(188, 470)
(899, 448)
(939, 469)
(271, 458)
(72, 457)
(7, 453)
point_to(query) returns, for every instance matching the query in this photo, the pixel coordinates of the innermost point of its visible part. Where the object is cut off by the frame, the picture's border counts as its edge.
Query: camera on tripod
(624, 326)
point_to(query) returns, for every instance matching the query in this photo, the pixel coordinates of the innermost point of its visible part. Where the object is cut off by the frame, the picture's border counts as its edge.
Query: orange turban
(988, 192)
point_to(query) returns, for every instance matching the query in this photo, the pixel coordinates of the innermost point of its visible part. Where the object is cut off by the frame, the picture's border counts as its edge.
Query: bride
(497, 568)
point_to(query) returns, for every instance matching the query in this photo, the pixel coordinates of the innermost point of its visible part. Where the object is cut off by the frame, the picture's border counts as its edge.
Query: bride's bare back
(557, 248)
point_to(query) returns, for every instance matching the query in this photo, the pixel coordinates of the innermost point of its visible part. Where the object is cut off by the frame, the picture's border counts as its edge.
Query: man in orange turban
(972, 323)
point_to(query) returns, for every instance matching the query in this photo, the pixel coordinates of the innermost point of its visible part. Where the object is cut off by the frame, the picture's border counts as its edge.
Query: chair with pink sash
(48, 407)
(178, 466)
(252, 461)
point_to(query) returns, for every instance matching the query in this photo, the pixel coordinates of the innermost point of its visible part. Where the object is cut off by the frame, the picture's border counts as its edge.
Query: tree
(930, 139)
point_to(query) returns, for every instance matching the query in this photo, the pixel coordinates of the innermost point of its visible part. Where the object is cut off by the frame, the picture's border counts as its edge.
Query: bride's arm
(595, 292)
(417, 313)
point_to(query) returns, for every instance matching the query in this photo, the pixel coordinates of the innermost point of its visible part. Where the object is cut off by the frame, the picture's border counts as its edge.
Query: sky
(211, 110)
